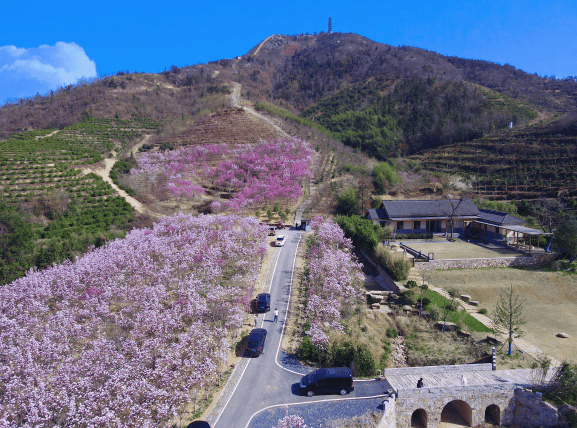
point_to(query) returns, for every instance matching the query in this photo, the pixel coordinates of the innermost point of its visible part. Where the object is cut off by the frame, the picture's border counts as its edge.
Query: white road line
(310, 402)
(233, 391)
(287, 310)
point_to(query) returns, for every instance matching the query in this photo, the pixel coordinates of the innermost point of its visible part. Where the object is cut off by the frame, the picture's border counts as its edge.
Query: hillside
(393, 101)
(450, 115)
(526, 163)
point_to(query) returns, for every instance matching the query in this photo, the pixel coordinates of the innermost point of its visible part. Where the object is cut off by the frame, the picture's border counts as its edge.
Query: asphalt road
(265, 383)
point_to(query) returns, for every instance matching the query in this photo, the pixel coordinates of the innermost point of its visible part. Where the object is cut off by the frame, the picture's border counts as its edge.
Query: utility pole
(330, 25)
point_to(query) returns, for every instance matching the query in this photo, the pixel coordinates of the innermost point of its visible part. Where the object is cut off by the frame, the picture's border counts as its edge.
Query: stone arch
(457, 412)
(493, 414)
(419, 418)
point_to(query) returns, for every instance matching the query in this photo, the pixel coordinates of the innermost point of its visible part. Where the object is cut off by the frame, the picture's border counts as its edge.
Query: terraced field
(230, 126)
(513, 165)
(33, 163)
(52, 207)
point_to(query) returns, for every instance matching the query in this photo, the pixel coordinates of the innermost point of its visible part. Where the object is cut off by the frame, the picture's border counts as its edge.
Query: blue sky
(104, 37)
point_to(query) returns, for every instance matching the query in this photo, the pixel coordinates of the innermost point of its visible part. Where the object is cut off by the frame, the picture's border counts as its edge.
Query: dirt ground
(550, 302)
(458, 249)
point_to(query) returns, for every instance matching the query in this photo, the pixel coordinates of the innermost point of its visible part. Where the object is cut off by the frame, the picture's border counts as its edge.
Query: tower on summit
(330, 25)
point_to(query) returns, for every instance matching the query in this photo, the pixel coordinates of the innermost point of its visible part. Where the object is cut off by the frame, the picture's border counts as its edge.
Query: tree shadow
(240, 346)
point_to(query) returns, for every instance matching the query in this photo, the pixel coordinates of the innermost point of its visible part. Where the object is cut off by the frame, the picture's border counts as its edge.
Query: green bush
(307, 350)
(483, 311)
(412, 283)
(341, 354)
(392, 332)
(364, 361)
(394, 264)
(363, 232)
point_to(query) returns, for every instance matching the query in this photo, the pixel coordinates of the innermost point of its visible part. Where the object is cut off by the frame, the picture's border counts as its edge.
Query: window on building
(497, 231)
(417, 225)
(400, 225)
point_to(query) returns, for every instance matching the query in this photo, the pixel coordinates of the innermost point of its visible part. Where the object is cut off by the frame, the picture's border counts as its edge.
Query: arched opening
(419, 419)
(457, 412)
(493, 414)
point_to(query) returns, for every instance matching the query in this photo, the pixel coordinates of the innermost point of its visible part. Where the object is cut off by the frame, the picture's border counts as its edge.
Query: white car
(280, 240)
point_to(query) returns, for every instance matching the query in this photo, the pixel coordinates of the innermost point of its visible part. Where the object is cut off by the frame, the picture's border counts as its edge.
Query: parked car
(337, 380)
(256, 340)
(263, 302)
(280, 240)
(271, 230)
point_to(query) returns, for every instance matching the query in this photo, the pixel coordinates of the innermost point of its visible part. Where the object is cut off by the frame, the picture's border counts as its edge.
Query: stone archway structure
(467, 404)
(419, 419)
(493, 414)
(457, 412)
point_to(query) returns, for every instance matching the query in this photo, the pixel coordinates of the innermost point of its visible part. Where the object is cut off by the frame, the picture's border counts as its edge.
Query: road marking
(287, 309)
(231, 394)
(311, 402)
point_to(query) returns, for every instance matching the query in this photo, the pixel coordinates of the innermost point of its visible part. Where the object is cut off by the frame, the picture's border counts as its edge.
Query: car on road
(271, 230)
(256, 341)
(263, 302)
(280, 240)
(336, 380)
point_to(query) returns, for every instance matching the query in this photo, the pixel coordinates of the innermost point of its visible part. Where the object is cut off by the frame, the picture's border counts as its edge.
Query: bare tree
(452, 208)
(508, 315)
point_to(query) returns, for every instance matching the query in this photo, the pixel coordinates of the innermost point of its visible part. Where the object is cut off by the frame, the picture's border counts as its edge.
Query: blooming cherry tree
(266, 173)
(291, 421)
(131, 332)
(333, 281)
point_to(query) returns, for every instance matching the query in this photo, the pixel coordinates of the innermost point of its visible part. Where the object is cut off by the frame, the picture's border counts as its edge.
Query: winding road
(265, 382)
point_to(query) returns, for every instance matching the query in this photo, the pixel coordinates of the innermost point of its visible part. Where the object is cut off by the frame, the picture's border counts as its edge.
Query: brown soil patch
(231, 126)
(550, 302)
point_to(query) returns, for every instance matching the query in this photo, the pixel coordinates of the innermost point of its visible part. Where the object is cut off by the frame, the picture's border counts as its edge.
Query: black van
(337, 380)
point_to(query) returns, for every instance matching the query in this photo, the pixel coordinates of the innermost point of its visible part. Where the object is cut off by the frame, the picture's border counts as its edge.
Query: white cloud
(24, 72)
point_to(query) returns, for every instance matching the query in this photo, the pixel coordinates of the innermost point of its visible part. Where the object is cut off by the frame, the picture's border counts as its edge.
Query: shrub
(392, 332)
(397, 267)
(364, 361)
(483, 311)
(341, 354)
(411, 284)
(409, 297)
(307, 350)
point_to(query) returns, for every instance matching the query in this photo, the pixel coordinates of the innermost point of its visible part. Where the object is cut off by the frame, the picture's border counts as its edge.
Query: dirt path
(105, 174)
(236, 103)
(135, 148)
(39, 137)
(262, 43)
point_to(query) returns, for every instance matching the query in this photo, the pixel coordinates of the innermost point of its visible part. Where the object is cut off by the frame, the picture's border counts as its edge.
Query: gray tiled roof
(496, 217)
(377, 214)
(429, 208)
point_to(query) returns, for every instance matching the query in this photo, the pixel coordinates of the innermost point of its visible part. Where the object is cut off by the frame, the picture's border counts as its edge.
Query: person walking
(275, 314)
(420, 383)
(255, 319)
(463, 380)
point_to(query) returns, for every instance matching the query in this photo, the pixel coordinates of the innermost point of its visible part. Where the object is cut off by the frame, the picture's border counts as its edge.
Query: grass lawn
(459, 318)
(550, 301)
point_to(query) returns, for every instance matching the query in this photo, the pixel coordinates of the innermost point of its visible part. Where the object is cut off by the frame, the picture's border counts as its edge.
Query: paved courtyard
(443, 249)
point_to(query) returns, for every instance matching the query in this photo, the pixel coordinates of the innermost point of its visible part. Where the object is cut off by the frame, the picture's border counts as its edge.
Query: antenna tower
(330, 25)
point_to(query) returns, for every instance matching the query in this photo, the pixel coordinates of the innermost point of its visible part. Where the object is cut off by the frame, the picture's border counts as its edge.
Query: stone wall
(506, 401)
(531, 411)
(470, 401)
(535, 260)
(389, 419)
(438, 369)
